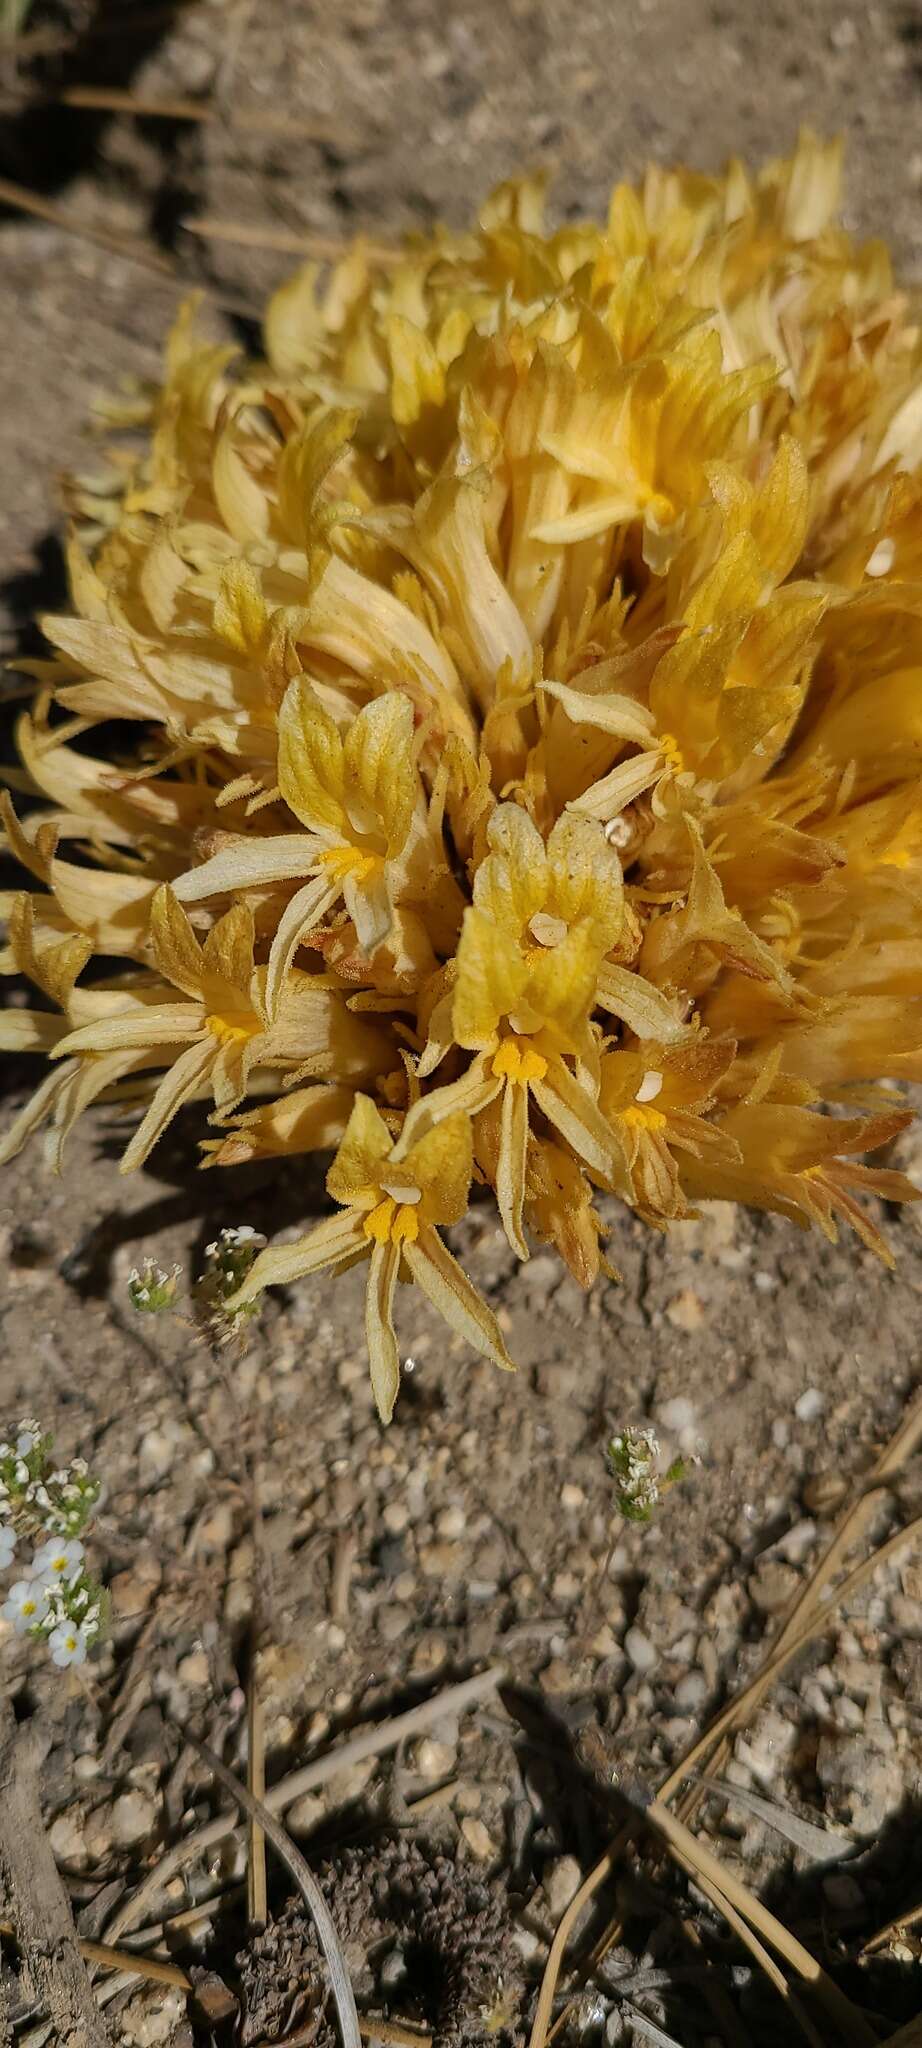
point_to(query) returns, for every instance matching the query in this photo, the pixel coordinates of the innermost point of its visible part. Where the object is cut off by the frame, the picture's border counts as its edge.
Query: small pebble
(686, 1310)
(691, 1692)
(772, 1585)
(676, 1415)
(193, 1670)
(478, 1839)
(451, 1523)
(393, 1622)
(304, 1814)
(434, 1759)
(810, 1405)
(825, 1493)
(67, 1837)
(133, 1816)
(562, 1880)
(572, 1497)
(640, 1650)
(794, 1546)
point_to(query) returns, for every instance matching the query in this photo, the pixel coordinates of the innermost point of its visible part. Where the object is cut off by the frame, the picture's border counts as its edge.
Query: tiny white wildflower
(25, 1605)
(61, 1560)
(7, 1545)
(68, 1643)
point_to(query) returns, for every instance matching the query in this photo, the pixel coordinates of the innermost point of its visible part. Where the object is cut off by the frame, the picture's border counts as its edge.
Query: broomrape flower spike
(525, 655)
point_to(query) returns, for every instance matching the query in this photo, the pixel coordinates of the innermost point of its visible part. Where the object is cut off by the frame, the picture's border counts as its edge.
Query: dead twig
(309, 1889)
(377, 1741)
(902, 1924)
(257, 1896)
(345, 1551)
(30, 1883)
(826, 1845)
(251, 120)
(697, 1860)
(323, 248)
(21, 200)
(858, 1512)
(804, 1620)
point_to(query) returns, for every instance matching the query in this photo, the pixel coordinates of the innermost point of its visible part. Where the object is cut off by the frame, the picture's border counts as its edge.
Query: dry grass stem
(309, 1889)
(373, 1742)
(257, 1904)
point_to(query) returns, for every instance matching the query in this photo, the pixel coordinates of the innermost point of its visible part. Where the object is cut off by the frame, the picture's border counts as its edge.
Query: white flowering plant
(45, 1510)
(633, 1459)
(152, 1288)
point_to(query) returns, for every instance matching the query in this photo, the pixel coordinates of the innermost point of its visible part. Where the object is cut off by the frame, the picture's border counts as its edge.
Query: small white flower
(26, 1605)
(7, 1545)
(68, 1643)
(59, 1560)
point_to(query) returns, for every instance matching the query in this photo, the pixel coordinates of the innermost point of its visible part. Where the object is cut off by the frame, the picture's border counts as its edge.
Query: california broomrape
(527, 662)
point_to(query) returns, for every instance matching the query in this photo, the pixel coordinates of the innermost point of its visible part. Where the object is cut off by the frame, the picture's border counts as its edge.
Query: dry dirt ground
(478, 1528)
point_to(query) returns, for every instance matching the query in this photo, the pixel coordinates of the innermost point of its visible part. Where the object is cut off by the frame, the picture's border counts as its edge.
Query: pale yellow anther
(514, 1062)
(641, 1117)
(392, 1222)
(225, 1032)
(669, 746)
(347, 860)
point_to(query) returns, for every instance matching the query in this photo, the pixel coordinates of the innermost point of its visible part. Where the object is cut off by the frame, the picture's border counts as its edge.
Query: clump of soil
(450, 1929)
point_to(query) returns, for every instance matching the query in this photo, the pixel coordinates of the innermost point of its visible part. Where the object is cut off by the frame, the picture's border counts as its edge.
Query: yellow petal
(240, 615)
(383, 1356)
(334, 1242)
(441, 1163)
(175, 948)
(35, 1111)
(181, 1080)
(310, 762)
(366, 1145)
(451, 1292)
(249, 864)
(510, 1176)
(491, 978)
(228, 949)
(381, 782)
(300, 916)
(568, 1106)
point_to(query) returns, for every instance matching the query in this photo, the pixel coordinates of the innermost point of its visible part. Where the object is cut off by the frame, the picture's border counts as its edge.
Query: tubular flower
(525, 660)
(392, 1197)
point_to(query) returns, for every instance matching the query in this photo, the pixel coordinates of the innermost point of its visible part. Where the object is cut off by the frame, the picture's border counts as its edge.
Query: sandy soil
(480, 1525)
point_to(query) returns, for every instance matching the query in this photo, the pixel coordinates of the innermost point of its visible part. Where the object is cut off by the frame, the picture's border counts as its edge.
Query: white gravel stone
(691, 1692)
(478, 1839)
(451, 1523)
(434, 1759)
(562, 1880)
(810, 1405)
(67, 1838)
(677, 1414)
(133, 1816)
(641, 1652)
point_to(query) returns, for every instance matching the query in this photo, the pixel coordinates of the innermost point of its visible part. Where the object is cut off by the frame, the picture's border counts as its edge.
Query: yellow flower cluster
(527, 662)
